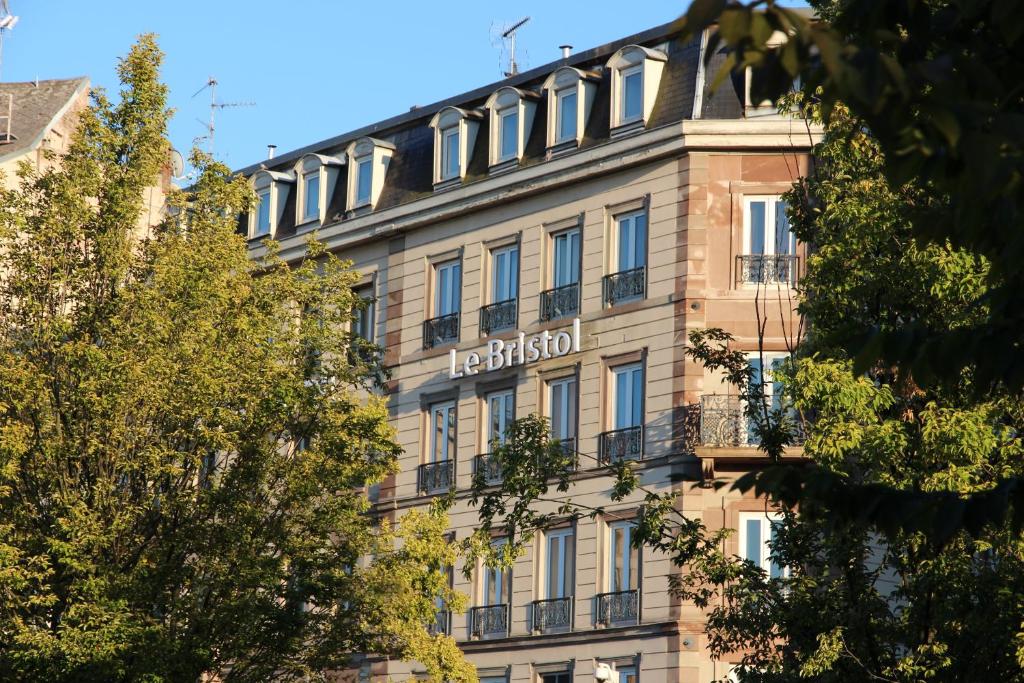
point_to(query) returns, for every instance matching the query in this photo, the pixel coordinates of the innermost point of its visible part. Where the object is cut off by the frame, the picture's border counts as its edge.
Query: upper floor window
(311, 196)
(262, 213)
(627, 674)
(454, 136)
(369, 159)
(501, 411)
(442, 432)
(447, 288)
(272, 188)
(512, 111)
(628, 390)
(636, 74)
(566, 258)
(318, 176)
(628, 279)
(560, 557)
(769, 247)
(505, 266)
(562, 408)
(497, 583)
(570, 98)
(758, 531)
(623, 558)
(362, 316)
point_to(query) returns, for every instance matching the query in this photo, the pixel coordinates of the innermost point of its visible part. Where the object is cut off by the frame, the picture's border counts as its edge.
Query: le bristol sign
(506, 354)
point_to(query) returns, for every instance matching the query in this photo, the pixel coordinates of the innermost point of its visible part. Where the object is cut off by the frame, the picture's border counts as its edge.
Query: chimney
(566, 51)
(270, 151)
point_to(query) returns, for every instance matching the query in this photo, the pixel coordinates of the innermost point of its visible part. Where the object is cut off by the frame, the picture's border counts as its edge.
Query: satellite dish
(177, 164)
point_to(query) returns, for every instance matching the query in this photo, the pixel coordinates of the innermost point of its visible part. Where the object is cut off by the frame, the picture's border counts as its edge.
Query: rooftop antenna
(510, 35)
(7, 21)
(211, 83)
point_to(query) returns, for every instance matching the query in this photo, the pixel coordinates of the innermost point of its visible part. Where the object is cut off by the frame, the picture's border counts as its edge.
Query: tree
(186, 437)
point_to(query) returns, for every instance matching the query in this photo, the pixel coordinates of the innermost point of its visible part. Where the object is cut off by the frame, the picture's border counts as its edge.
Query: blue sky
(315, 68)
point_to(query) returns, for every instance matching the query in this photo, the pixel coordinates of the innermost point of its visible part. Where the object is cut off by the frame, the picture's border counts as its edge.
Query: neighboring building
(612, 188)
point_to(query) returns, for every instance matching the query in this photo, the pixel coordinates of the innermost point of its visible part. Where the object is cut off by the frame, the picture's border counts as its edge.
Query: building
(544, 244)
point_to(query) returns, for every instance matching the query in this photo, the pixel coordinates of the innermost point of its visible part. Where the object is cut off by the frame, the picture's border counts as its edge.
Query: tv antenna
(210, 126)
(509, 34)
(7, 22)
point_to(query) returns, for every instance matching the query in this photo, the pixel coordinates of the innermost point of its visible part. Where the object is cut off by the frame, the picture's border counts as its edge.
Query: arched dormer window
(271, 189)
(570, 94)
(636, 74)
(511, 111)
(454, 136)
(317, 176)
(368, 160)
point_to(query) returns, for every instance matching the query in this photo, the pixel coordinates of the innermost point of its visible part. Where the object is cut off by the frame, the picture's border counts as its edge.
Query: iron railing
(499, 316)
(442, 623)
(552, 615)
(560, 302)
(436, 476)
(629, 284)
(767, 268)
(620, 444)
(488, 464)
(724, 422)
(489, 621)
(443, 329)
(620, 607)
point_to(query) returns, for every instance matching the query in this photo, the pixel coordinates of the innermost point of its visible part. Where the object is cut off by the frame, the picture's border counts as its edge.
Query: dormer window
(511, 111)
(570, 94)
(271, 189)
(318, 177)
(636, 74)
(454, 136)
(369, 159)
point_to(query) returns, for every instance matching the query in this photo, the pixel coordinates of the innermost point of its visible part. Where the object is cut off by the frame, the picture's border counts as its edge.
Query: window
(560, 556)
(632, 94)
(631, 243)
(501, 411)
(369, 159)
(450, 153)
(628, 396)
(566, 115)
(497, 583)
(566, 258)
(767, 227)
(263, 213)
(505, 280)
(764, 366)
(447, 288)
(757, 531)
(627, 674)
(562, 408)
(560, 677)
(311, 196)
(442, 432)
(509, 135)
(362, 316)
(363, 181)
(623, 558)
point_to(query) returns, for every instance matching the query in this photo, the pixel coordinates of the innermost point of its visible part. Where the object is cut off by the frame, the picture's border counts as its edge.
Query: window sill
(447, 184)
(626, 128)
(503, 166)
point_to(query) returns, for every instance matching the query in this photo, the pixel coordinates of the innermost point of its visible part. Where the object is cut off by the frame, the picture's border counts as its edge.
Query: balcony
(488, 464)
(767, 269)
(489, 621)
(725, 424)
(625, 286)
(618, 608)
(442, 624)
(434, 477)
(560, 302)
(620, 444)
(441, 330)
(552, 615)
(499, 316)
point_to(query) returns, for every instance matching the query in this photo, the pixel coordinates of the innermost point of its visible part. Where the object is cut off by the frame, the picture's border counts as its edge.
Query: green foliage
(160, 520)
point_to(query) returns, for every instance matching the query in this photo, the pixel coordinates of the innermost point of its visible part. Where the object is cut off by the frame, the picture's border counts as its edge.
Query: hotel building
(584, 216)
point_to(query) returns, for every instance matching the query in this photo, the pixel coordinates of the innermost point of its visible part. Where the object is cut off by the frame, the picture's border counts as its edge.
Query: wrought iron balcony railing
(724, 422)
(441, 330)
(499, 316)
(436, 476)
(620, 607)
(552, 615)
(620, 444)
(629, 284)
(442, 623)
(767, 268)
(560, 302)
(488, 464)
(489, 621)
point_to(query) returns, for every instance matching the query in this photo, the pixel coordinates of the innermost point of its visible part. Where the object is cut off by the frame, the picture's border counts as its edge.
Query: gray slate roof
(35, 106)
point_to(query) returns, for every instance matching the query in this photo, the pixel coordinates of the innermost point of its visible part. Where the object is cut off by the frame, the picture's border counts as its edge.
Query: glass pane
(634, 557)
(639, 240)
(444, 284)
(785, 242)
(636, 394)
(567, 258)
(451, 154)
(569, 423)
(509, 134)
(567, 117)
(757, 227)
(500, 285)
(568, 564)
(456, 292)
(554, 563)
(632, 94)
(437, 449)
(363, 187)
(752, 551)
(263, 213)
(626, 244)
(628, 393)
(627, 675)
(449, 450)
(774, 570)
(618, 566)
(312, 196)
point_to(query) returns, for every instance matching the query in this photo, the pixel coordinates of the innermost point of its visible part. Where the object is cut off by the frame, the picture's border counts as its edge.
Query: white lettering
(510, 348)
(452, 372)
(472, 360)
(563, 343)
(545, 344)
(506, 354)
(575, 335)
(532, 352)
(495, 361)
(521, 348)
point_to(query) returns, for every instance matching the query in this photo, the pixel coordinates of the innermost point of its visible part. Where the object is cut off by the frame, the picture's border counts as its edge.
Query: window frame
(566, 573)
(616, 371)
(507, 396)
(765, 520)
(610, 582)
(365, 161)
(618, 220)
(264, 197)
(450, 431)
(623, 74)
(571, 420)
(363, 318)
(512, 253)
(455, 265)
(502, 577)
(307, 177)
(447, 134)
(502, 118)
(772, 201)
(573, 264)
(560, 97)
